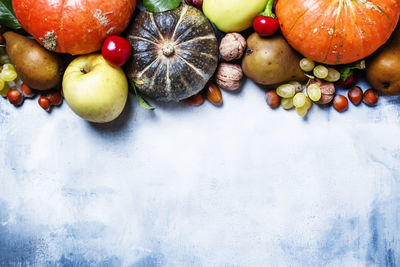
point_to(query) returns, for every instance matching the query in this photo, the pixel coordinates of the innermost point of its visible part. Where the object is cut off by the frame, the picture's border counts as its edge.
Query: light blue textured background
(240, 185)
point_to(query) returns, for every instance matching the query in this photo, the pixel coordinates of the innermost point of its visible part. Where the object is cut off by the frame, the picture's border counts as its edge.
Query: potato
(271, 61)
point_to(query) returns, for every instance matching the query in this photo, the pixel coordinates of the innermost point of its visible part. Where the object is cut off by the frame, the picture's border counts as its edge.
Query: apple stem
(268, 9)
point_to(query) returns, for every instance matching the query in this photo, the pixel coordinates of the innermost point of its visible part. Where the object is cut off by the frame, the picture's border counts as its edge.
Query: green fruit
(314, 92)
(299, 100)
(37, 67)
(6, 88)
(94, 89)
(302, 111)
(287, 103)
(286, 90)
(233, 15)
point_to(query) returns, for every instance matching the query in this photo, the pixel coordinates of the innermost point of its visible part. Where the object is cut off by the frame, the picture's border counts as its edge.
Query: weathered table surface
(240, 185)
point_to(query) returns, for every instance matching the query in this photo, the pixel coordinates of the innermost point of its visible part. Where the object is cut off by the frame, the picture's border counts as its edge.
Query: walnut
(328, 91)
(232, 46)
(229, 76)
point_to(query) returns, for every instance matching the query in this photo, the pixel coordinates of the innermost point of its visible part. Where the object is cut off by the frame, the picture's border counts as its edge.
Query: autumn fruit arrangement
(92, 53)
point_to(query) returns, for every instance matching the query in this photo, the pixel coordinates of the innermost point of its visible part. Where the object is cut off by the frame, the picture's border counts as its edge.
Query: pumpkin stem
(168, 50)
(268, 9)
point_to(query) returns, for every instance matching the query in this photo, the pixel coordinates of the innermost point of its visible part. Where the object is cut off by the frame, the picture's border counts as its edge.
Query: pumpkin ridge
(60, 35)
(357, 25)
(200, 53)
(154, 76)
(332, 35)
(140, 74)
(179, 21)
(202, 74)
(205, 37)
(156, 26)
(143, 52)
(300, 17)
(130, 37)
(168, 79)
(184, 81)
(151, 34)
(379, 9)
(375, 6)
(179, 37)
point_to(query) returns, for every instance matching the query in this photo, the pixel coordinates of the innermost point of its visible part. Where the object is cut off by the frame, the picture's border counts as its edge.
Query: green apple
(233, 15)
(95, 90)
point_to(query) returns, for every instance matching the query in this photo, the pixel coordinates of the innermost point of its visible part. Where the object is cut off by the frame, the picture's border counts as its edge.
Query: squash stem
(268, 9)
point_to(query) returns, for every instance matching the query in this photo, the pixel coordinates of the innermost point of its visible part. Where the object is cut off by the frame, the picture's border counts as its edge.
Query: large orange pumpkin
(73, 26)
(340, 31)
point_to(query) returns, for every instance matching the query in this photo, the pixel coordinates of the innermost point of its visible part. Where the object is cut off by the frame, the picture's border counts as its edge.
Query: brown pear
(270, 60)
(383, 67)
(36, 67)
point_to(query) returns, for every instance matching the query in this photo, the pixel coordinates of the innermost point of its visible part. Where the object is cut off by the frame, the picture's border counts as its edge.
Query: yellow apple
(95, 90)
(233, 15)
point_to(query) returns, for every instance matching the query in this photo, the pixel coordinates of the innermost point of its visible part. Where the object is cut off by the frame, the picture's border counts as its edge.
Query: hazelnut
(328, 91)
(232, 46)
(229, 76)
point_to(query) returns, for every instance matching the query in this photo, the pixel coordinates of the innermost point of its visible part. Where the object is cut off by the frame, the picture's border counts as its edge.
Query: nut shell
(232, 46)
(229, 76)
(328, 91)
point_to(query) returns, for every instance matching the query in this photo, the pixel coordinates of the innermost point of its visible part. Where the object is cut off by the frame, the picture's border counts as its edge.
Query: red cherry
(195, 2)
(265, 26)
(116, 50)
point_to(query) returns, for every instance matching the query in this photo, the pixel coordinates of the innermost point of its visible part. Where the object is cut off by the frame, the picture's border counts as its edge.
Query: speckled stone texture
(240, 185)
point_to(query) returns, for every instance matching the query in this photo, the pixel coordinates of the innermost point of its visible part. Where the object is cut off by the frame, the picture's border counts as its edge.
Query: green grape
(307, 65)
(321, 72)
(297, 86)
(8, 75)
(286, 90)
(333, 75)
(287, 103)
(2, 83)
(8, 66)
(302, 111)
(308, 103)
(314, 92)
(5, 90)
(299, 100)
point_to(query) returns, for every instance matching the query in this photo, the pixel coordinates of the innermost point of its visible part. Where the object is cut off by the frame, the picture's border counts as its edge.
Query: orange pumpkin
(74, 27)
(337, 32)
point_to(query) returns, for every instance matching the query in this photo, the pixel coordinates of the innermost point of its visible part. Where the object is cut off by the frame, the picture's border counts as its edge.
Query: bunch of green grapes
(8, 74)
(320, 71)
(292, 96)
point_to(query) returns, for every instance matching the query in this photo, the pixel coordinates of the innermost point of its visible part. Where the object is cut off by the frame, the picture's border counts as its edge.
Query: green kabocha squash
(174, 53)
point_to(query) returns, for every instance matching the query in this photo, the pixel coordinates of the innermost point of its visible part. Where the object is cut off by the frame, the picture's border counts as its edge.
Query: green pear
(233, 15)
